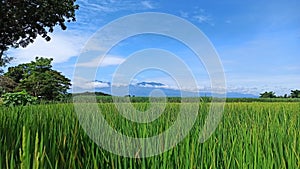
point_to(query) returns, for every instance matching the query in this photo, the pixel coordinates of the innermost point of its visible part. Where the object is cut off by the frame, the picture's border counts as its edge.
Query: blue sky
(258, 42)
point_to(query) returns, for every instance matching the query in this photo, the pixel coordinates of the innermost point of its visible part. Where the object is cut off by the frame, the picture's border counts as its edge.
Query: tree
(295, 93)
(270, 94)
(39, 79)
(6, 85)
(3, 61)
(21, 21)
(22, 71)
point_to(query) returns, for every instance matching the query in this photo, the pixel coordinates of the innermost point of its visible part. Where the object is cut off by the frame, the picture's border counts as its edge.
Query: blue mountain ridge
(144, 89)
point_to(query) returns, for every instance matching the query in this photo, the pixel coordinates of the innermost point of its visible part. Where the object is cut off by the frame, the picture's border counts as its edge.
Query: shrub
(18, 99)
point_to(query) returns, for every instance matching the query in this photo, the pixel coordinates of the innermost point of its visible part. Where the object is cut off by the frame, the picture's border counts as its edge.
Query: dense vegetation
(250, 135)
(271, 94)
(37, 78)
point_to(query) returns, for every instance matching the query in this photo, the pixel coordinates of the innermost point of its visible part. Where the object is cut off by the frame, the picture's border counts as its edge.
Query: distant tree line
(271, 94)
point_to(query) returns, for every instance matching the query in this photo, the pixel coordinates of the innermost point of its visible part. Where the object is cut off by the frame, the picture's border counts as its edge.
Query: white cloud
(198, 15)
(91, 85)
(86, 84)
(119, 85)
(153, 84)
(184, 14)
(147, 4)
(60, 48)
(108, 60)
(202, 18)
(169, 83)
(97, 84)
(110, 6)
(103, 7)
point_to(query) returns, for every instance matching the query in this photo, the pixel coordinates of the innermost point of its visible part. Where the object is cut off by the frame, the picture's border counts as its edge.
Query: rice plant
(250, 135)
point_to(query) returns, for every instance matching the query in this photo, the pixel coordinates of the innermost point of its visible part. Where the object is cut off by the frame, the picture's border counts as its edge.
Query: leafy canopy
(270, 94)
(3, 63)
(295, 93)
(18, 99)
(39, 79)
(21, 21)
(6, 85)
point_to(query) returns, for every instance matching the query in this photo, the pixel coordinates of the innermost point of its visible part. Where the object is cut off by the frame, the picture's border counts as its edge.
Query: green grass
(250, 135)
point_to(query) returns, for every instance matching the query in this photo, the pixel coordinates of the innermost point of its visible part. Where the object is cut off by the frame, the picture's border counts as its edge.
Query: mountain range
(146, 89)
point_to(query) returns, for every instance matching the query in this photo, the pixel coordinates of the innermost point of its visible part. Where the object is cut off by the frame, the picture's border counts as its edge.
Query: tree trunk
(1, 53)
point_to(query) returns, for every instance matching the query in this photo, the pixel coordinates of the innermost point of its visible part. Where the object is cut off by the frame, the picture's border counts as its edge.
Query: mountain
(240, 95)
(146, 88)
(150, 84)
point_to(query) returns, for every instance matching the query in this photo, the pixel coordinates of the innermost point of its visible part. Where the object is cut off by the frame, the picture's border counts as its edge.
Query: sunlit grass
(250, 135)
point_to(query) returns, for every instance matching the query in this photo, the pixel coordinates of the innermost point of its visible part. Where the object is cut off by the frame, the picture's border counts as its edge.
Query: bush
(18, 99)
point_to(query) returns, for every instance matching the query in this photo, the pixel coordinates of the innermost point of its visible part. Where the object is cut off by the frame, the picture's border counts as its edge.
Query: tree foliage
(18, 99)
(21, 21)
(6, 85)
(3, 62)
(39, 79)
(295, 93)
(270, 94)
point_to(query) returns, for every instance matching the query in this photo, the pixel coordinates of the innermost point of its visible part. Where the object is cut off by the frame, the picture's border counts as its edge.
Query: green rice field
(250, 135)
